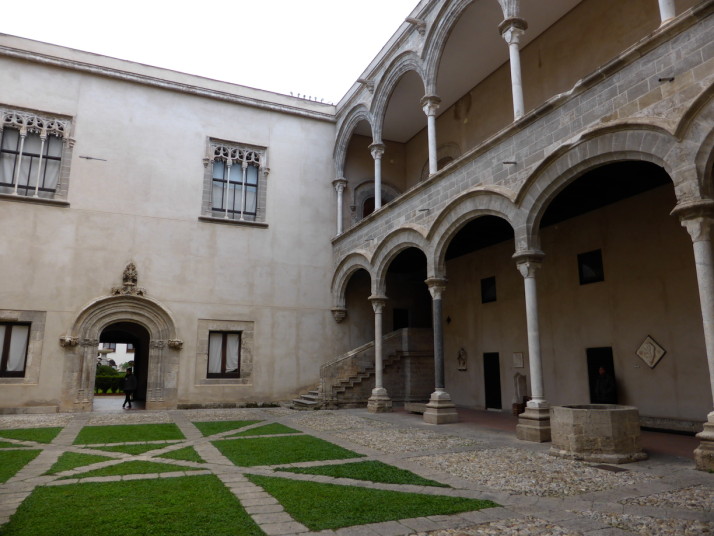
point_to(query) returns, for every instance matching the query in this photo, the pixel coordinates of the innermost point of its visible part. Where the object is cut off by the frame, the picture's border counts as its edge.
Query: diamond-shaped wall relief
(651, 352)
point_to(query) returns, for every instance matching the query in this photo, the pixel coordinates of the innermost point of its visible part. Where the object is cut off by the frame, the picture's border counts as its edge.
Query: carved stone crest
(129, 286)
(461, 359)
(175, 344)
(650, 352)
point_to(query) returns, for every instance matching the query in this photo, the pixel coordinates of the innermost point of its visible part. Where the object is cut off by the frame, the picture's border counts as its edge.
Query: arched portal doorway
(139, 318)
(138, 337)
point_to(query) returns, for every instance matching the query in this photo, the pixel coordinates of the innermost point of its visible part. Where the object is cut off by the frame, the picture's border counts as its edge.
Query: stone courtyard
(539, 494)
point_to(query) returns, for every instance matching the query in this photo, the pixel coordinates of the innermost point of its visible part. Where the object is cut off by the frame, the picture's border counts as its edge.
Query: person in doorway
(605, 388)
(129, 387)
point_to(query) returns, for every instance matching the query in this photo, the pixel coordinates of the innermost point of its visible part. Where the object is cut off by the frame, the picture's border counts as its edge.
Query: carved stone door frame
(82, 345)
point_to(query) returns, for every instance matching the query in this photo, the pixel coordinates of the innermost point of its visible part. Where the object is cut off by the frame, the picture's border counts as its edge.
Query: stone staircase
(348, 380)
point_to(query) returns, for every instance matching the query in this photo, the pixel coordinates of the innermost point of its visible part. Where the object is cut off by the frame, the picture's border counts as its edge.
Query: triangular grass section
(188, 454)
(11, 461)
(371, 471)
(137, 467)
(329, 506)
(249, 452)
(153, 506)
(127, 433)
(209, 428)
(139, 448)
(268, 429)
(39, 435)
(72, 460)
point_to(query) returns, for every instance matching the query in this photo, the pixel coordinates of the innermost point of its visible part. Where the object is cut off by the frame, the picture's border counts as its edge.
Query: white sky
(311, 47)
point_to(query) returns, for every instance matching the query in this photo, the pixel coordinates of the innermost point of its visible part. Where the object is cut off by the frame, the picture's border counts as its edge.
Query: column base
(440, 409)
(534, 425)
(704, 453)
(379, 402)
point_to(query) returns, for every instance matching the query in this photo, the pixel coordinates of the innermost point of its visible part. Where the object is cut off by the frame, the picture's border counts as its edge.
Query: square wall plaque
(650, 352)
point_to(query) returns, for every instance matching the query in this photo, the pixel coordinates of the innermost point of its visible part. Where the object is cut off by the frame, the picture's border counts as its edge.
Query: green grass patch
(280, 450)
(39, 435)
(72, 460)
(126, 433)
(147, 507)
(269, 429)
(372, 471)
(137, 467)
(8, 445)
(328, 506)
(187, 453)
(139, 448)
(11, 461)
(216, 427)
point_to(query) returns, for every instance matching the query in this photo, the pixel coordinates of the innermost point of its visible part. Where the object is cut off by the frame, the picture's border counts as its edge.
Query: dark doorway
(603, 387)
(492, 380)
(138, 337)
(400, 318)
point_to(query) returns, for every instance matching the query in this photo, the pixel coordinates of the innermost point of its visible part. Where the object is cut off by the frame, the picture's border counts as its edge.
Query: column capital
(378, 302)
(512, 28)
(437, 286)
(430, 104)
(528, 261)
(377, 150)
(696, 217)
(340, 184)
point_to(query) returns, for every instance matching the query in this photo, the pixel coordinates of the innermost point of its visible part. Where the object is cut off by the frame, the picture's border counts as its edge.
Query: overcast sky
(311, 47)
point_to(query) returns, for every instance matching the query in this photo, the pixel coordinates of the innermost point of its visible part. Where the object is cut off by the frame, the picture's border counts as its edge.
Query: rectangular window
(488, 289)
(224, 354)
(14, 338)
(31, 152)
(590, 268)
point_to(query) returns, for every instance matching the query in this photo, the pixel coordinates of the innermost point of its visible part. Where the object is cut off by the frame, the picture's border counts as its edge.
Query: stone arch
(393, 244)
(364, 191)
(83, 342)
(606, 146)
(697, 127)
(402, 64)
(348, 266)
(445, 154)
(352, 119)
(436, 40)
(472, 204)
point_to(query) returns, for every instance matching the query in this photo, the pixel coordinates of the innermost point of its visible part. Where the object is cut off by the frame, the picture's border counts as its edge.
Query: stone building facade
(530, 183)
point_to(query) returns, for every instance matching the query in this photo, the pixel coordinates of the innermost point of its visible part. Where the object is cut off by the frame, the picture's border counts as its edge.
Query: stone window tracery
(33, 152)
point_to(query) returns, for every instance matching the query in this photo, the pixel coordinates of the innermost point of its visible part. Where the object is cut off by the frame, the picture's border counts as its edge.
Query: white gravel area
(651, 526)
(230, 414)
(35, 421)
(522, 472)
(397, 440)
(137, 417)
(694, 498)
(330, 421)
(527, 526)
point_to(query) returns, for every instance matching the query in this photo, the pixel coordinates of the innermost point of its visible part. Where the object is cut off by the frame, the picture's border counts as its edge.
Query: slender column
(512, 29)
(243, 189)
(440, 409)
(667, 10)
(339, 185)
(430, 105)
(377, 150)
(43, 138)
(534, 423)
(379, 402)
(226, 189)
(16, 180)
(698, 217)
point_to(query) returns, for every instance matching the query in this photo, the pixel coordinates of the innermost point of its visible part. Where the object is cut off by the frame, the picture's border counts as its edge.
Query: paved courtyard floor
(540, 495)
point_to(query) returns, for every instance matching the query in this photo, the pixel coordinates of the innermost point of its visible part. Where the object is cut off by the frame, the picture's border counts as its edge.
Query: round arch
(394, 243)
(83, 342)
(352, 119)
(347, 267)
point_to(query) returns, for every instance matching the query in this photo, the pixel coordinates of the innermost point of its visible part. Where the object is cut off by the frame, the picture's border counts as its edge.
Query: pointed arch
(356, 115)
(393, 244)
(357, 260)
(436, 40)
(697, 127)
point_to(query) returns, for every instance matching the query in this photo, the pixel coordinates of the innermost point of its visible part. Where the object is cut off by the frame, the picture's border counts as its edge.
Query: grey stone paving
(540, 495)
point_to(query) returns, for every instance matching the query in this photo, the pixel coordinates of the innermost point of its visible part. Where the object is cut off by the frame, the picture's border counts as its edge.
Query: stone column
(697, 217)
(667, 10)
(379, 402)
(534, 423)
(430, 105)
(440, 409)
(339, 185)
(512, 29)
(377, 150)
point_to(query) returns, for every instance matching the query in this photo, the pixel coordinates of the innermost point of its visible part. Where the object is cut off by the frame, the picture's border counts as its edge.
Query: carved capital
(340, 185)
(339, 314)
(437, 286)
(377, 150)
(430, 104)
(528, 262)
(68, 341)
(697, 218)
(175, 344)
(378, 303)
(512, 29)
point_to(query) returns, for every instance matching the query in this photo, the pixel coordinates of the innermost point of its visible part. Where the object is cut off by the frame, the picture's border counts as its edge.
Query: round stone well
(604, 433)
